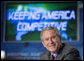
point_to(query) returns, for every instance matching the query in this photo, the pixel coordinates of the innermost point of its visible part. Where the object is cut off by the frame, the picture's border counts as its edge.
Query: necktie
(52, 57)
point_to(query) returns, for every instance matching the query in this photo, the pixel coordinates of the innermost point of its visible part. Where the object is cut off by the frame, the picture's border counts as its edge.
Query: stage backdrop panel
(25, 20)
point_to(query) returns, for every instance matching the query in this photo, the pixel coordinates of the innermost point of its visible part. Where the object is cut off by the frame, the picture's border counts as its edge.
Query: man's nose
(50, 40)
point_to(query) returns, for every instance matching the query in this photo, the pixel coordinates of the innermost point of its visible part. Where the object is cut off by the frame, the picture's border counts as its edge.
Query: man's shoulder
(44, 53)
(68, 48)
(44, 56)
(69, 52)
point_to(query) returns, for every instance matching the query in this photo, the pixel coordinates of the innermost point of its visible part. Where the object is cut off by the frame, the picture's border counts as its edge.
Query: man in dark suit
(51, 39)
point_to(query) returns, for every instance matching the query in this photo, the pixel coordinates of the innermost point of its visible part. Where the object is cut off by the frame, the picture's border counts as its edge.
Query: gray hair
(57, 32)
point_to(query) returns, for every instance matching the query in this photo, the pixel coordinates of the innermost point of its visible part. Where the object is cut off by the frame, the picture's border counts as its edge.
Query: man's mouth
(52, 45)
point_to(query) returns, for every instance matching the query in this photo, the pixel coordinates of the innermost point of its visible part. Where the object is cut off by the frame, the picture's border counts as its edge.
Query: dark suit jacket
(66, 52)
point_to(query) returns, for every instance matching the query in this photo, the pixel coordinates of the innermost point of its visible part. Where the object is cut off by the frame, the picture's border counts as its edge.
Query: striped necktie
(52, 57)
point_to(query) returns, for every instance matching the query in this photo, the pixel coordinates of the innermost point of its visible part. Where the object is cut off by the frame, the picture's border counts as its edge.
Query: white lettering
(54, 15)
(23, 26)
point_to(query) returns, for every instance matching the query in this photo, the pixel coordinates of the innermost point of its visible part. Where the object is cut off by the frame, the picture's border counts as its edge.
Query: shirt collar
(55, 54)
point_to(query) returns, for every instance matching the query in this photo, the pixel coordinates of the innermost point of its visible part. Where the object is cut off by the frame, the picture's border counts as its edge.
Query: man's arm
(72, 55)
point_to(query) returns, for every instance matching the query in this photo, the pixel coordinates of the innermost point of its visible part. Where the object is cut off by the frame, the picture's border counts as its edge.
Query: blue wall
(31, 50)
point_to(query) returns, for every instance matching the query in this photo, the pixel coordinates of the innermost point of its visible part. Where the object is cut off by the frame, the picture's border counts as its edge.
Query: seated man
(51, 39)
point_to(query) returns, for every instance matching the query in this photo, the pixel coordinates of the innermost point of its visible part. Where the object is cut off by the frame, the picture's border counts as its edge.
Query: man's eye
(46, 39)
(53, 36)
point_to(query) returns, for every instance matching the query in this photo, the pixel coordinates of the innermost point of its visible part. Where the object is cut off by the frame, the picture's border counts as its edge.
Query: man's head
(51, 39)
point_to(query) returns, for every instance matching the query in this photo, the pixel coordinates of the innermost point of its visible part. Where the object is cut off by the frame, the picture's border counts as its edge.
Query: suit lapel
(59, 53)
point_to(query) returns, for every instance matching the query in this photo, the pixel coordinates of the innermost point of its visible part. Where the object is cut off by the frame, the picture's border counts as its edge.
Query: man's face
(51, 41)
